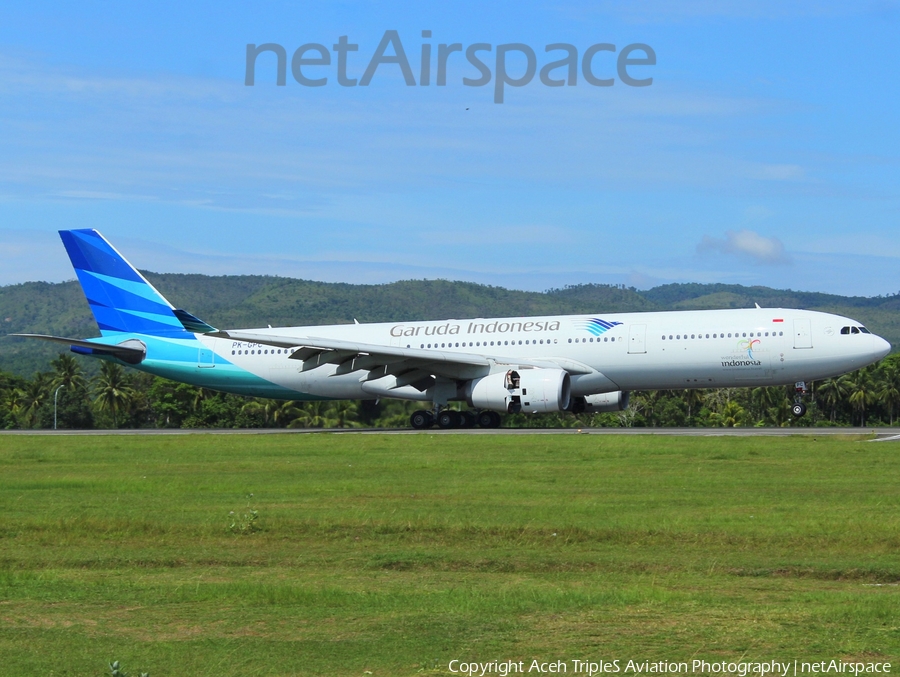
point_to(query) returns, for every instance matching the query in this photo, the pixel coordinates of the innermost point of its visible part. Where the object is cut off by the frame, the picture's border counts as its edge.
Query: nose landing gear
(799, 408)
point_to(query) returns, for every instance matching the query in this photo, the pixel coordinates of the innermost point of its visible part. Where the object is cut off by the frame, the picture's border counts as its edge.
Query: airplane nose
(880, 347)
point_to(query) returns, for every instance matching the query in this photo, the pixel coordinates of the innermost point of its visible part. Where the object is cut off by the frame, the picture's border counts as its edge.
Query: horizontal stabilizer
(131, 351)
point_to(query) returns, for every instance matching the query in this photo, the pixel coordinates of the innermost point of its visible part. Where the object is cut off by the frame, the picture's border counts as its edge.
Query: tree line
(120, 398)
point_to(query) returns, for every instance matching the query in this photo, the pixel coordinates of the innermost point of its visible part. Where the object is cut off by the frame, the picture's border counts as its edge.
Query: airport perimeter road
(877, 434)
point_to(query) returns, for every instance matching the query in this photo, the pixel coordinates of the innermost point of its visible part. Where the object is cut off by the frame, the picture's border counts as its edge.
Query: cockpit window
(854, 330)
(864, 330)
(845, 330)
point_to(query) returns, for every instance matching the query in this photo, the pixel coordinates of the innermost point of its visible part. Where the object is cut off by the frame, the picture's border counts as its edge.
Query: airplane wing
(409, 365)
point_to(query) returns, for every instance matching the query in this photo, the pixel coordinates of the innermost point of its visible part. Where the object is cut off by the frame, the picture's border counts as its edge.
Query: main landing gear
(799, 408)
(449, 418)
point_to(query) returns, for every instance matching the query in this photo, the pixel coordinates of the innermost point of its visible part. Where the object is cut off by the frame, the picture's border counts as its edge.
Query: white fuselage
(603, 352)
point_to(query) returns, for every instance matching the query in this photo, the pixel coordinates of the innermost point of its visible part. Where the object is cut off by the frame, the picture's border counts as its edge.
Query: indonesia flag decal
(778, 320)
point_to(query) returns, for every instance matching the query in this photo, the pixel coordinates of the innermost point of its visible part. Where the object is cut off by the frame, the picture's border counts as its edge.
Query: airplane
(577, 363)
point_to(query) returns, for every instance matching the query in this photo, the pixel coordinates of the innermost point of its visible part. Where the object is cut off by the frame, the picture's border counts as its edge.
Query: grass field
(393, 555)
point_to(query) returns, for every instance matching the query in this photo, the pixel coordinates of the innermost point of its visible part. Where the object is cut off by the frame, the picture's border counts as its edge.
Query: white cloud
(747, 243)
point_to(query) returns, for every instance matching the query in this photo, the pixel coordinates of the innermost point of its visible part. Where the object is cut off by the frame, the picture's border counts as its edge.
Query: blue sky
(766, 151)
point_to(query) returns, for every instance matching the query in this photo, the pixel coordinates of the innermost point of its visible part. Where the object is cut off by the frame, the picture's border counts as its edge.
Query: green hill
(255, 300)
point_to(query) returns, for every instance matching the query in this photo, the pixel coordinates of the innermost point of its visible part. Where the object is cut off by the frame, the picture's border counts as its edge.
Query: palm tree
(273, 411)
(260, 406)
(286, 412)
(68, 373)
(112, 391)
(717, 398)
(832, 392)
(764, 398)
(313, 415)
(780, 413)
(693, 398)
(647, 401)
(12, 402)
(889, 390)
(33, 397)
(344, 413)
(859, 385)
(199, 395)
(731, 416)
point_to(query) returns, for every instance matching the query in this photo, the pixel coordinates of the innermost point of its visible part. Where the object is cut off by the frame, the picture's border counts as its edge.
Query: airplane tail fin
(121, 299)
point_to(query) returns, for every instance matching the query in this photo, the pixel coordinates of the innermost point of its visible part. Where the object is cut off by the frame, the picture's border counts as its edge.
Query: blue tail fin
(120, 297)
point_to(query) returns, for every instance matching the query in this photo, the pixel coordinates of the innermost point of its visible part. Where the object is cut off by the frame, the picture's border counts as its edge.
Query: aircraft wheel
(421, 419)
(799, 409)
(489, 419)
(448, 419)
(469, 419)
(484, 419)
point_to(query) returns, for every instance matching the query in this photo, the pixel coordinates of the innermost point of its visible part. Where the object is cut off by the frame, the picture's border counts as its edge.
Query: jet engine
(604, 402)
(533, 391)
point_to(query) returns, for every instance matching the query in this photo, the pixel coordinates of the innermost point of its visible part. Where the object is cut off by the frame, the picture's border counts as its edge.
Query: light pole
(55, 396)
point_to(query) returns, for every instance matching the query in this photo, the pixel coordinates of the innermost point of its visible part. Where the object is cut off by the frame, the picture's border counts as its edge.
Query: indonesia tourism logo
(748, 345)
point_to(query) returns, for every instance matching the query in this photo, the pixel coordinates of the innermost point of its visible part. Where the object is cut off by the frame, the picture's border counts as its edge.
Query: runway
(873, 434)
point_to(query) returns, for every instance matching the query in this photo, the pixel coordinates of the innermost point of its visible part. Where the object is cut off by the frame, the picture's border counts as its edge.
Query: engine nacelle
(602, 403)
(532, 391)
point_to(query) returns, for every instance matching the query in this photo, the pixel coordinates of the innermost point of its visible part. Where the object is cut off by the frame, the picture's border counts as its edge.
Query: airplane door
(206, 358)
(802, 334)
(637, 338)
